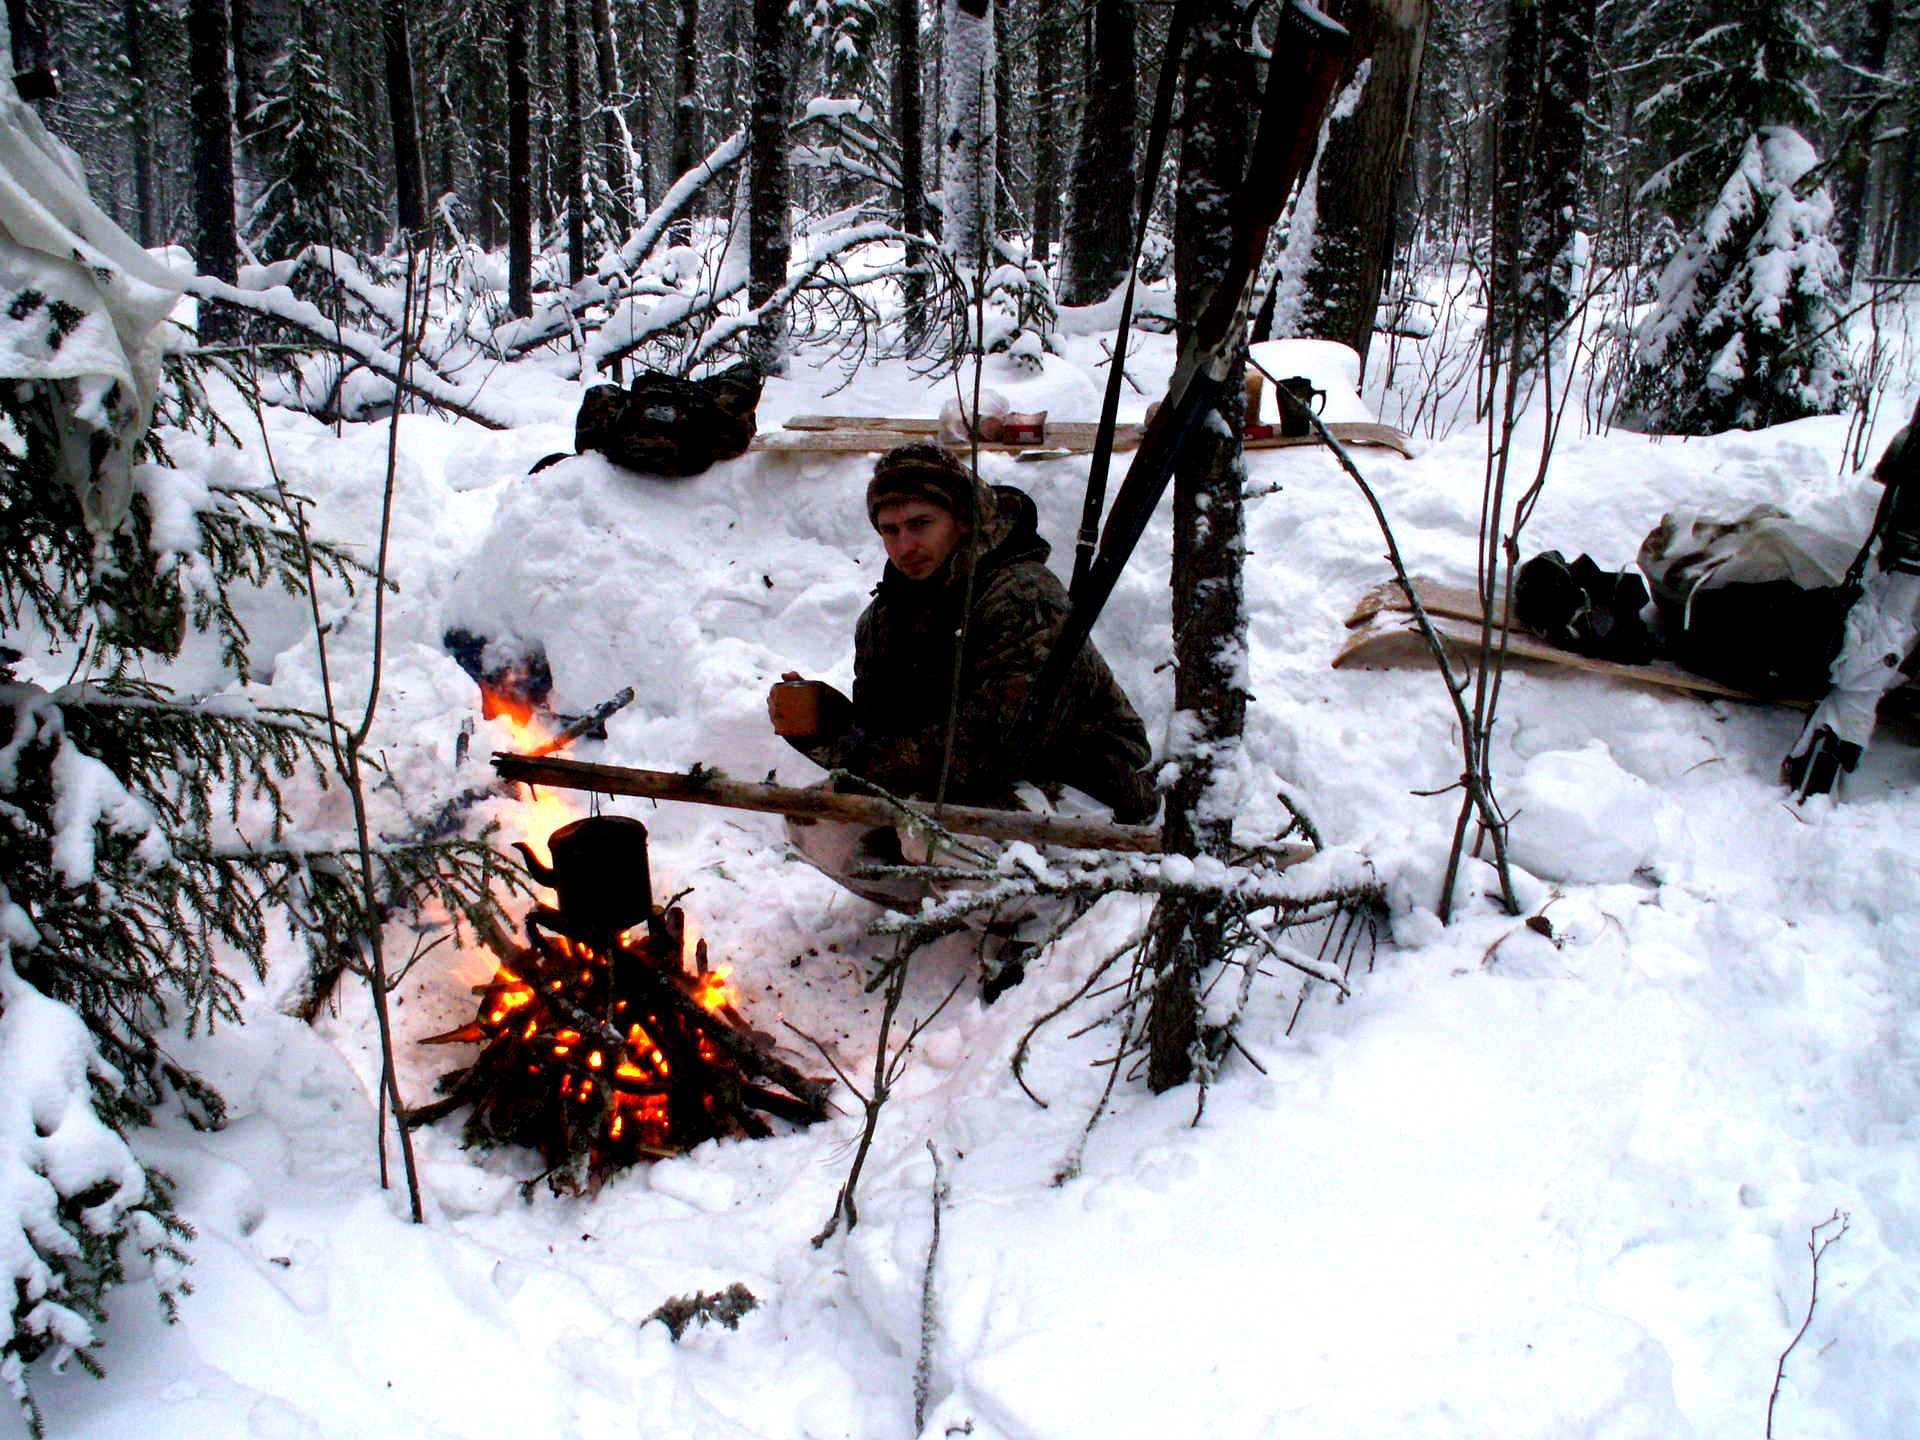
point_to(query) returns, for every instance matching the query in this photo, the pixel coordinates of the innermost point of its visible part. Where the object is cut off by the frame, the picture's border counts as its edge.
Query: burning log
(600, 1045)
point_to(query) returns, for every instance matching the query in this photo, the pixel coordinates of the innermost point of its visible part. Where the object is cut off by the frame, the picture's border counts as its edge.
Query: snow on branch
(278, 302)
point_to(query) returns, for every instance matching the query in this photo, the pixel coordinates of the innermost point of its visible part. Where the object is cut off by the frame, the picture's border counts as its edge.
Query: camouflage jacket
(904, 682)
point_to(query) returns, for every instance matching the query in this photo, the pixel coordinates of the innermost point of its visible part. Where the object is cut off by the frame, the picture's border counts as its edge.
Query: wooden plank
(1347, 432)
(1391, 639)
(873, 434)
(863, 441)
(701, 789)
(1461, 602)
(906, 425)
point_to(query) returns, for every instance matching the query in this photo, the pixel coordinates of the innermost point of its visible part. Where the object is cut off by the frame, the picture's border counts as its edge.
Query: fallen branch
(282, 305)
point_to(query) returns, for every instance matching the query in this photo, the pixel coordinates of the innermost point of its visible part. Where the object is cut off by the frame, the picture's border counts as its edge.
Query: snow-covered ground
(1515, 1187)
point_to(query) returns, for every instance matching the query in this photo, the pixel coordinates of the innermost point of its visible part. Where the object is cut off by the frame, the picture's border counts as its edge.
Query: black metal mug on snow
(1301, 388)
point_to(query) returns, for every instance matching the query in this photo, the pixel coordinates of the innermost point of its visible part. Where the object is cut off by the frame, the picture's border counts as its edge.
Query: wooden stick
(702, 789)
(580, 724)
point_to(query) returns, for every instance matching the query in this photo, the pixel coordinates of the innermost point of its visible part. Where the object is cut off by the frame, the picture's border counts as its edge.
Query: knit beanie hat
(923, 471)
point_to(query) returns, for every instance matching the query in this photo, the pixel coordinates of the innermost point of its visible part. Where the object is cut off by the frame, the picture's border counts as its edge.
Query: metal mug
(1301, 388)
(794, 707)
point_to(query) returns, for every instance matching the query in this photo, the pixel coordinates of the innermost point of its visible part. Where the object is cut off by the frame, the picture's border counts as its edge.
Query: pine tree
(1744, 329)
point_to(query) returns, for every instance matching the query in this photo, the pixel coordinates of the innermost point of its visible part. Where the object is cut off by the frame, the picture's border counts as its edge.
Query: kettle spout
(543, 873)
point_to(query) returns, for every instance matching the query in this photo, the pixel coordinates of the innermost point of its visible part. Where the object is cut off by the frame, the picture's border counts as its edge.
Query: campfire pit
(601, 1043)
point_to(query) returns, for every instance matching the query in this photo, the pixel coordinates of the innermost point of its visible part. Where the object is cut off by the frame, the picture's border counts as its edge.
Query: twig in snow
(887, 1069)
(1817, 1244)
(929, 1321)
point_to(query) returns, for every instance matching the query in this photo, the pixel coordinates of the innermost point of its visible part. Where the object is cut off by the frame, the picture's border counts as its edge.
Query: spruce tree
(321, 190)
(1744, 329)
(144, 853)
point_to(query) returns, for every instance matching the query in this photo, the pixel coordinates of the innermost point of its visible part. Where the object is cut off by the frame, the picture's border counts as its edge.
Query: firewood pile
(603, 1041)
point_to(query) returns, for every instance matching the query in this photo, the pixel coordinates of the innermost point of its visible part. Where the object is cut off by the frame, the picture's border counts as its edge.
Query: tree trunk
(140, 127)
(1098, 247)
(243, 26)
(519, 166)
(448, 176)
(573, 147)
(1209, 547)
(1905, 208)
(967, 129)
(410, 181)
(1510, 301)
(767, 201)
(217, 244)
(646, 92)
(27, 33)
(907, 126)
(686, 103)
(541, 112)
(1852, 229)
(1358, 173)
(1005, 212)
(1560, 146)
(1048, 41)
(616, 148)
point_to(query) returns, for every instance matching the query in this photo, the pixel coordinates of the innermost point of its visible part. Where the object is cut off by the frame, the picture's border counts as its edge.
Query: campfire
(604, 1041)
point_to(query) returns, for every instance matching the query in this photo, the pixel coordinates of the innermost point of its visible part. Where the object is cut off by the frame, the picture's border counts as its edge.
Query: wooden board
(1461, 602)
(1385, 634)
(831, 442)
(808, 435)
(1393, 639)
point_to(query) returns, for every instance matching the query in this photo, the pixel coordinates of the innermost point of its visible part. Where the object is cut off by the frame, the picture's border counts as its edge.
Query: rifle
(1309, 52)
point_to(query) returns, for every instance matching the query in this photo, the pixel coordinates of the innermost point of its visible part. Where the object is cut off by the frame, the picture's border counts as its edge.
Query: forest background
(1717, 202)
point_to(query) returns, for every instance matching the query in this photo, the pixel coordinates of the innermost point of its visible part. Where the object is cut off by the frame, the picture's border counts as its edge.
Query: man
(966, 567)
(1880, 629)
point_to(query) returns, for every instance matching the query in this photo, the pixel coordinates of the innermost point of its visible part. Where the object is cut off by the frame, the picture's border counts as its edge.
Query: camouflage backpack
(665, 425)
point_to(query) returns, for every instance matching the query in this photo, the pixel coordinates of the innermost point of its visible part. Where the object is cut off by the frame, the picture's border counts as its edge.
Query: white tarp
(80, 306)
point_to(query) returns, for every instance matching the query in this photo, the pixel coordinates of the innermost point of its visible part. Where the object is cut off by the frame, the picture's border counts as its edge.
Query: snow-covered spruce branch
(850, 143)
(280, 304)
(108, 739)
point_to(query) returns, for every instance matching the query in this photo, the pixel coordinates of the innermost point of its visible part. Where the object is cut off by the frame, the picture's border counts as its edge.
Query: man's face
(919, 536)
